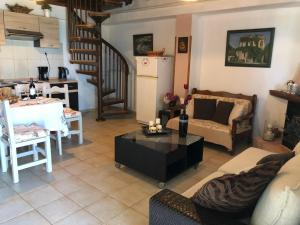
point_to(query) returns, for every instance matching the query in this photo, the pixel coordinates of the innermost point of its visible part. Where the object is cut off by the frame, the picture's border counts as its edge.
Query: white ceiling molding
(201, 7)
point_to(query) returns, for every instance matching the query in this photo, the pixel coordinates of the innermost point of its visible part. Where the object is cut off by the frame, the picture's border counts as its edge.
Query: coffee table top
(161, 143)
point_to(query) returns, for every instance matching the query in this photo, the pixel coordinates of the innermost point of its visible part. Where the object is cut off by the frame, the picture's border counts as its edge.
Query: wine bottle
(183, 124)
(32, 91)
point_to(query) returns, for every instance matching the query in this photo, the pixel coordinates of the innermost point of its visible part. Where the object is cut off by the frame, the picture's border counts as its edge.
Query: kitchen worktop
(13, 82)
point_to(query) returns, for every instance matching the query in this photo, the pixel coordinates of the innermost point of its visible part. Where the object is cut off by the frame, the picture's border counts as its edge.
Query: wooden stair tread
(106, 92)
(111, 112)
(98, 14)
(83, 51)
(86, 26)
(93, 82)
(87, 72)
(84, 62)
(112, 101)
(81, 39)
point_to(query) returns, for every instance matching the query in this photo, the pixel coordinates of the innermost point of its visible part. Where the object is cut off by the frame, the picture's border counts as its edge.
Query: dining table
(45, 112)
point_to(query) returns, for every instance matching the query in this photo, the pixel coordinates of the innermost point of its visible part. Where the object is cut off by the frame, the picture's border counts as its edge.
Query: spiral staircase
(105, 66)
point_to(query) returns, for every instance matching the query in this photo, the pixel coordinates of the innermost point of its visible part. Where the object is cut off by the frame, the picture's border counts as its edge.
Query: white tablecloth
(45, 112)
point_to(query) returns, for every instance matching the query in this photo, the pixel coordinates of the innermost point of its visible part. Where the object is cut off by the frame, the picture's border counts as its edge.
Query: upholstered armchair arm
(170, 208)
(239, 120)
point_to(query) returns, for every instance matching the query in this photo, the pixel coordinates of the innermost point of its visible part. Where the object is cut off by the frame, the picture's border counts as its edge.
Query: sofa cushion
(222, 112)
(204, 108)
(191, 191)
(237, 111)
(211, 131)
(283, 195)
(244, 161)
(236, 193)
(284, 157)
(243, 104)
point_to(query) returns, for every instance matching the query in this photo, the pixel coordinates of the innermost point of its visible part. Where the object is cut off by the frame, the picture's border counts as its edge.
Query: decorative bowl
(18, 8)
(156, 53)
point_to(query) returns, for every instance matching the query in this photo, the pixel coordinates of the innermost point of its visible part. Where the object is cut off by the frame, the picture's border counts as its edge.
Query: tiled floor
(85, 188)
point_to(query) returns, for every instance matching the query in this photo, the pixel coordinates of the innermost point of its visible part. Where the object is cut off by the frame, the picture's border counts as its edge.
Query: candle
(159, 127)
(151, 123)
(157, 121)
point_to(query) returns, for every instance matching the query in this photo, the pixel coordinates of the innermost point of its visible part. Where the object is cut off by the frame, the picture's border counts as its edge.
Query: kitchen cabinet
(21, 21)
(2, 31)
(49, 27)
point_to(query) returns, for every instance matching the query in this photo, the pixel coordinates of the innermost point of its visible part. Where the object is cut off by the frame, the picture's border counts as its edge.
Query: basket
(18, 8)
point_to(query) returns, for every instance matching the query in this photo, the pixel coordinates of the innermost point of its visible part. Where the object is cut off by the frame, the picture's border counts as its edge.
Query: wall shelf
(285, 95)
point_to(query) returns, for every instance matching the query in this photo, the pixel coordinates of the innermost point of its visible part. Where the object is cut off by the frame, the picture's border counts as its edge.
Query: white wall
(19, 59)
(120, 36)
(208, 58)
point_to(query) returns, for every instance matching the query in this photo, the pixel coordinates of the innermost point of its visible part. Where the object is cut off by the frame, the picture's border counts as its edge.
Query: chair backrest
(58, 90)
(6, 120)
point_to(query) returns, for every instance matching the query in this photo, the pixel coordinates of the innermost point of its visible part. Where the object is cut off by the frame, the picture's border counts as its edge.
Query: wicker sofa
(240, 120)
(278, 205)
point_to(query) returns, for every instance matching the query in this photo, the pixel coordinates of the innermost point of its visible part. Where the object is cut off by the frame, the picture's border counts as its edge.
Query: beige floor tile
(142, 206)
(86, 196)
(31, 218)
(58, 209)
(69, 185)
(129, 217)
(129, 195)
(68, 162)
(7, 193)
(42, 196)
(80, 218)
(78, 168)
(56, 175)
(99, 161)
(147, 187)
(110, 184)
(106, 208)
(13, 208)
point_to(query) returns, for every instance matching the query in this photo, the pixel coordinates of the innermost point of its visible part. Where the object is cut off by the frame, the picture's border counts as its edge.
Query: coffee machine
(62, 73)
(43, 73)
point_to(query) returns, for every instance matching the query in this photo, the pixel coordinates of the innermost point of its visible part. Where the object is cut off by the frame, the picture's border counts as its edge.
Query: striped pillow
(236, 193)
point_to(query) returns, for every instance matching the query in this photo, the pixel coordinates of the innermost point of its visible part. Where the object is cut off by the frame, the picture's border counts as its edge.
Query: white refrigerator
(154, 79)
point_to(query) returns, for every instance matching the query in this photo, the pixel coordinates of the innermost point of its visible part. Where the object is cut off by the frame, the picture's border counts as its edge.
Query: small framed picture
(250, 48)
(183, 45)
(142, 44)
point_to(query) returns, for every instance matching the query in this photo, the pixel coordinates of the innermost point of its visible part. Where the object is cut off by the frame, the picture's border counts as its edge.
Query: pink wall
(182, 60)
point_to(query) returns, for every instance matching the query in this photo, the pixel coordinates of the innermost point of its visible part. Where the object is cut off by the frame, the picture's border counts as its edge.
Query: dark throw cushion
(236, 193)
(283, 157)
(204, 109)
(223, 112)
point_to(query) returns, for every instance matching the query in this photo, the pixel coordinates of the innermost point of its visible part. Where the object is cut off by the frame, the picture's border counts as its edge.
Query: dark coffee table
(160, 157)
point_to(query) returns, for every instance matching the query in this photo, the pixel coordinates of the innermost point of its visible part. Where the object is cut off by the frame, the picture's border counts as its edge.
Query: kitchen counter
(14, 82)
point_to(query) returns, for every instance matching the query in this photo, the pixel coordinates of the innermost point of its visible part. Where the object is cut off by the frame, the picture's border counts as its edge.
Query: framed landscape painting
(249, 48)
(142, 44)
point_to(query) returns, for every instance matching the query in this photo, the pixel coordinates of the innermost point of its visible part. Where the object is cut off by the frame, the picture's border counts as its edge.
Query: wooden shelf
(284, 95)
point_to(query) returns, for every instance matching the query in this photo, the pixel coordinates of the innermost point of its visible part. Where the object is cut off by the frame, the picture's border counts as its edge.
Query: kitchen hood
(23, 35)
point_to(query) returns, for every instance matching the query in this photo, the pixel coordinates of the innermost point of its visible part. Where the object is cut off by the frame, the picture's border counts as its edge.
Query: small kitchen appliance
(63, 72)
(43, 73)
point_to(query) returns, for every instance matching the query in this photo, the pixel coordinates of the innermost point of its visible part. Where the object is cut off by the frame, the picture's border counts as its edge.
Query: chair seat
(28, 132)
(69, 113)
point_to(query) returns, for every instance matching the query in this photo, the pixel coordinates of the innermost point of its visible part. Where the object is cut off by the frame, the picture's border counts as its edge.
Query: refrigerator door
(146, 98)
(147, 66)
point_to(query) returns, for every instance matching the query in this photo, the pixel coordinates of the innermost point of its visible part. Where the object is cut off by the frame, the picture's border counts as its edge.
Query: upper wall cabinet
(2, 31)
(20, 21)
(49, 27)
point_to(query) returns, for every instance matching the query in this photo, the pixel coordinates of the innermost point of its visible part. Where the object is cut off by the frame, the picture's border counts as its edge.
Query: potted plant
(47, 9)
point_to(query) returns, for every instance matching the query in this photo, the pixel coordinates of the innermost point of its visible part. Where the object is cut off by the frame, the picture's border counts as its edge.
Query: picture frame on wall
(250, 48)
(183, 45)
(142, 44)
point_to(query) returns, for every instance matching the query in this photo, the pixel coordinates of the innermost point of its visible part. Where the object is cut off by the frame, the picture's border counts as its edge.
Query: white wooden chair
(70, 114)
(14, 137)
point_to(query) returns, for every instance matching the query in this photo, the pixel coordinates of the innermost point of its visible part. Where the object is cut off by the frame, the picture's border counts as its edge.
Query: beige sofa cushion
(280, 202)
(191, 191)
(241, 106)
(297, 149)
(210, 130)
(244, 161)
